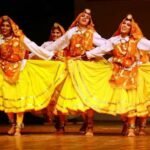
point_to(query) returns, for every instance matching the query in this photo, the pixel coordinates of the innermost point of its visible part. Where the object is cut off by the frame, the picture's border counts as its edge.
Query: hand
(54, 57)
(84, 57)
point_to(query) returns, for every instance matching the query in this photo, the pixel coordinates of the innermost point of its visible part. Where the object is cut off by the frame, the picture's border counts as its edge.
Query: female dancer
(128, 83)
(80, 37)
(56, 32)
(25, 84)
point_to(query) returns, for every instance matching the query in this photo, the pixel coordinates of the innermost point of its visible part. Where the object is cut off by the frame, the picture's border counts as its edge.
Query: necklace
(124, 46)
(81, 30)
(8, 38)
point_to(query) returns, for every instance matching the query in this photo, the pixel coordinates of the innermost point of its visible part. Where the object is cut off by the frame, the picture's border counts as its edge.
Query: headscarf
(57, 26)
(15, 29)
(135, 31)
(75, 22)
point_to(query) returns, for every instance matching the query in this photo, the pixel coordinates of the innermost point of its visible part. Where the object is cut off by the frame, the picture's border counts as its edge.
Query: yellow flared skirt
(87, 86)
(69, 101)
(34, 88)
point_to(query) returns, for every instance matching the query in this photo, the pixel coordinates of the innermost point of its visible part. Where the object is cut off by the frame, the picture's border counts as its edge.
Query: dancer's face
(55, 34)
(6, 29)
(84, 19)
(125, 27)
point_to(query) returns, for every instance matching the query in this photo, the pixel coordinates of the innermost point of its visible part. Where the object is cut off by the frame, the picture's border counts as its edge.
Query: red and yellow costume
(120, 87)
(69, 100)
(80, 41)
(25, 84)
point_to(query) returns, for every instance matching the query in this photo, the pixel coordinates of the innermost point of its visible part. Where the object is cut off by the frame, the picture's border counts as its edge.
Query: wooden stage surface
(42, 137)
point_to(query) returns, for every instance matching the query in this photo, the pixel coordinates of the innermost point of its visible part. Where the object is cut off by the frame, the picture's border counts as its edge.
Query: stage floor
(42, 137)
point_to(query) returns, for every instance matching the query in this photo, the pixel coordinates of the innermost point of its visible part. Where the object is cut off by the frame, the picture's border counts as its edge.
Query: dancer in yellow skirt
(56, 32)
(125, 89)
(80, 37)
(25, 84)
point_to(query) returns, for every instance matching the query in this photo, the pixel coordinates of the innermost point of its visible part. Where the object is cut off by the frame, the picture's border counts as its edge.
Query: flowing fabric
(34, 88)
(87, 86)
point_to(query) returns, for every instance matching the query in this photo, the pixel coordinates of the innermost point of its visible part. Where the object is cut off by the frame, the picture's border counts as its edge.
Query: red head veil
(15, 29)
(59, 27)
(135, 31)
(75, 22)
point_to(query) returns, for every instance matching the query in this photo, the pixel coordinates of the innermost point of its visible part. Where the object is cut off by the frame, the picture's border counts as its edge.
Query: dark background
(35, 18)
(107, 14)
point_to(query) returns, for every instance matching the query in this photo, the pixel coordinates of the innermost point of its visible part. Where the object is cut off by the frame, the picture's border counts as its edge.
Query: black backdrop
(35, 17)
